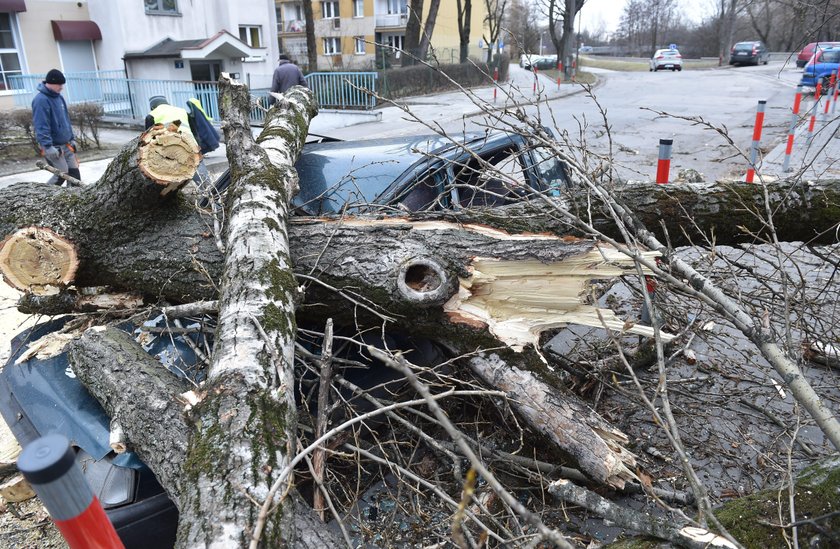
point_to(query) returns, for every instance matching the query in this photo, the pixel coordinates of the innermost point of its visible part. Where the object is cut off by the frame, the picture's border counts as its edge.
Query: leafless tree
(493, 24)
(464, 8)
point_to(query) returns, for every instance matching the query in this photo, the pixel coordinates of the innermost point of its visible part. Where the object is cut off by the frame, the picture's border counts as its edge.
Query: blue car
(821, 67)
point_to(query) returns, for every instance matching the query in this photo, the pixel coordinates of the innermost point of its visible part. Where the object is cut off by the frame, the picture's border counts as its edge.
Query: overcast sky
(609, 12)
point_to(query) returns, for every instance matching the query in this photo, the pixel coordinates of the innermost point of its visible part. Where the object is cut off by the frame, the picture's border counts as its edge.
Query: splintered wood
(168, 155)
(518, 300)
(37, 260)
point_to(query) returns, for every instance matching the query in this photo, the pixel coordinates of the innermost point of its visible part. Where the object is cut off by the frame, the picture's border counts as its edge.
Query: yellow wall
(39, 49)
(39, 44)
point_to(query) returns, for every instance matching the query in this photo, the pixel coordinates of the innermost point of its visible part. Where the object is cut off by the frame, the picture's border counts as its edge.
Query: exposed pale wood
(116, 438)
(168, 156)
(16, 489)
(38, 260)
(9, 449)
(597, 446)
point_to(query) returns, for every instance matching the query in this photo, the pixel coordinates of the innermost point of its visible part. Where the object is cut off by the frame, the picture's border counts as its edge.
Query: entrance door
(77, 56)
(205, 71)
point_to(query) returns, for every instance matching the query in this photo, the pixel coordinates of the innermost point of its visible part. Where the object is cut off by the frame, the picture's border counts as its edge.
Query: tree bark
(163, 248)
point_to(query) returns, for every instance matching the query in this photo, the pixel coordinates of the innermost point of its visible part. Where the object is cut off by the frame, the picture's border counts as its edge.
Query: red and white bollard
(663, 167)
(828, 93)
(756, 140)
(49, 465)
(813, 121)
(797, 102)
(574, 70)
(559, 73)
(836, 91)
(495, 82)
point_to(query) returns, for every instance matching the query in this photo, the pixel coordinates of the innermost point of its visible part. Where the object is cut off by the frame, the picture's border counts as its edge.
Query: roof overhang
(223, 44)
(12, 5)
(75, 30)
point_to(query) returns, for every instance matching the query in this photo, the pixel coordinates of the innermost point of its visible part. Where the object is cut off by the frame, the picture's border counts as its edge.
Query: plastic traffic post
(574, 70)
(49, 465)
(813, 121)
(836, 90)
(794, 117)
(756, 140)
(495, 82)
(664, 165)
(828, 93)
(559, 72)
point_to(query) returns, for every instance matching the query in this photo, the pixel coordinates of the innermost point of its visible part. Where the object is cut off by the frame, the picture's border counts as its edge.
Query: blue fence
(123, 97)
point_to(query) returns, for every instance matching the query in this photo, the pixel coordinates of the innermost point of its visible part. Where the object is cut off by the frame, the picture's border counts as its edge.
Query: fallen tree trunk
(165, 248)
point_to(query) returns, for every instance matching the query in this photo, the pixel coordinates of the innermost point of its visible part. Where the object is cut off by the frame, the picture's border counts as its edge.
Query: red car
(808, 52)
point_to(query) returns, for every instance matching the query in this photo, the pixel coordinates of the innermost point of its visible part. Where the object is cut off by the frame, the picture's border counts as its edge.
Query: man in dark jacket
(53, 131)
(286, 75)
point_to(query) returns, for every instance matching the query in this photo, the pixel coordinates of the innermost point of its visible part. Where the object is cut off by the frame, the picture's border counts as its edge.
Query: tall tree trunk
(311, 45)
(464, 23)
(412, 32)
(428, 29)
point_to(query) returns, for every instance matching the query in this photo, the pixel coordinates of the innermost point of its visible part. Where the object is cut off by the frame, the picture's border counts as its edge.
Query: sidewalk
(431, 109)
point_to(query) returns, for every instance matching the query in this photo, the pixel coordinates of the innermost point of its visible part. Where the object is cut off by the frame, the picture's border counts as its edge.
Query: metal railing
(122, 97)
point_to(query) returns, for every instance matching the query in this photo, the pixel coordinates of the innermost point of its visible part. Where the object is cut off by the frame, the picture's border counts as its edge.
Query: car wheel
(679, 69)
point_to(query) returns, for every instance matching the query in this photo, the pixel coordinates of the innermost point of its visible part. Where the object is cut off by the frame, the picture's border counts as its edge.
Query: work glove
(52, 154)
(73, 146)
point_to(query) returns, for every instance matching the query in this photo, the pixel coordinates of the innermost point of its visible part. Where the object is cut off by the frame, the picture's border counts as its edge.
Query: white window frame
(332, 45)
(330, 10)
(397, 7)
(358, 8)
(17, 50)
(159, 9)
(397, 43)
(248, 29)
(360, 45)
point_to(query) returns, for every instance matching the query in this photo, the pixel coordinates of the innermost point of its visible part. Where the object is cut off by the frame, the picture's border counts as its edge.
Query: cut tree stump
(168, 156)
(38, 260)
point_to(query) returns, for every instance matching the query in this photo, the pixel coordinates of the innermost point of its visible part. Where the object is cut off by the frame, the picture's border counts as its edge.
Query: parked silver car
(666, 59)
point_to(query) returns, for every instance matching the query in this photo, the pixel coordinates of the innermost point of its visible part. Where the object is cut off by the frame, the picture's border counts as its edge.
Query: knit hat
(156, 101)
(55, 76)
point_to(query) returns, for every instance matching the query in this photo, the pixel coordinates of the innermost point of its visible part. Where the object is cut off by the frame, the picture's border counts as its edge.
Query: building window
(358, 8)
(332, 46)
(329, 10)
(395, 42)
(251, 35)
(162, 6)
(9, 55)
(397, 7)
(360, 45)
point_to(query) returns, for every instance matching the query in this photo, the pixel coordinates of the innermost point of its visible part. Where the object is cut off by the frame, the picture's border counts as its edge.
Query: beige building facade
(351, 34)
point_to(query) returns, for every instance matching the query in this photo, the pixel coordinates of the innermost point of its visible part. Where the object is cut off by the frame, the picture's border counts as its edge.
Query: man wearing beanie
(53, 131)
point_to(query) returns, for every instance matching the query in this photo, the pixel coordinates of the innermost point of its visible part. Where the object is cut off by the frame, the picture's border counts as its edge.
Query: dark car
(43, 396)
(822, 65)
(806, 53)
(749, 53)
(417, 173)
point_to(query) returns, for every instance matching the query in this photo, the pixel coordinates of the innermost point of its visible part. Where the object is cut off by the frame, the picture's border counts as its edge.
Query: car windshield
(354, 173)
(669, 53)
(832, 56)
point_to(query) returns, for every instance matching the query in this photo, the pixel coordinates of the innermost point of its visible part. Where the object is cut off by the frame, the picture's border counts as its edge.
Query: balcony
(294, 26)
(392, 20)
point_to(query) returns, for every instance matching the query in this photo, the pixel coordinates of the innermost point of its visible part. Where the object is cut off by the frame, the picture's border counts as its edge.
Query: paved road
(619, 123)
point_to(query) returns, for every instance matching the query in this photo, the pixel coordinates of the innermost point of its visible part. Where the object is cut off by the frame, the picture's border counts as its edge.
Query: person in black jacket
(286, 75)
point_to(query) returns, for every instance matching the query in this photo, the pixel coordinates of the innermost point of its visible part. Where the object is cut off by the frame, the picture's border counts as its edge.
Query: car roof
(333, 174)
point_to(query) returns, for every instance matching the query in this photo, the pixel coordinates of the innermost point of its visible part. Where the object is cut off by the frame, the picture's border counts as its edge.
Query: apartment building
(149, 39)
(348, 31)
